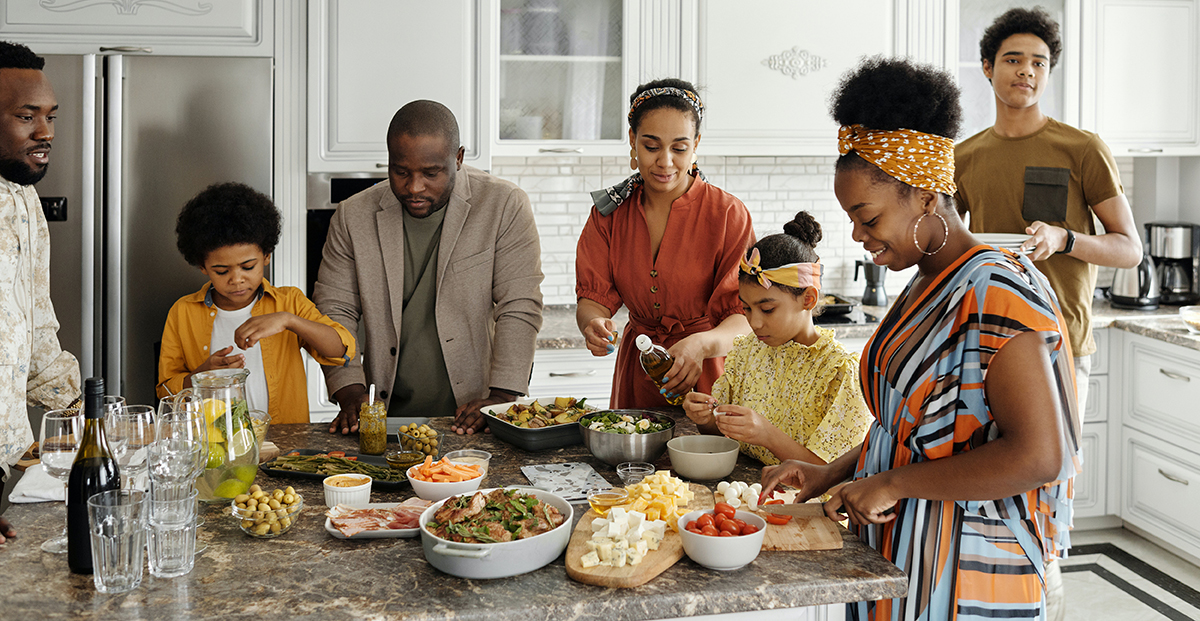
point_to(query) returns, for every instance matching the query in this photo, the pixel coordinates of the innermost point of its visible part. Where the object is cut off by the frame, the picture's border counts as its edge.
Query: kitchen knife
(803, 509)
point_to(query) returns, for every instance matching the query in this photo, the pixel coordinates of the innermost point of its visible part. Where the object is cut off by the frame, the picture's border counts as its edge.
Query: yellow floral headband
(918, 159)
(797, 275)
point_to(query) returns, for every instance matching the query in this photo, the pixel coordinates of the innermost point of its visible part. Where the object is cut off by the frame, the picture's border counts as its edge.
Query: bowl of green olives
(265, 515)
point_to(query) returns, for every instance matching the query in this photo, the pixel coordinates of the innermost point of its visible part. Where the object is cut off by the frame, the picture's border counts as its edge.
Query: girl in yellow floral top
(790, 391)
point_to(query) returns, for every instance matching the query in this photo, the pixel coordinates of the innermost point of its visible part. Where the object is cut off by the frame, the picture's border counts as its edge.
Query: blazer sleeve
(336, 296)
(593, 263)
(517, 295)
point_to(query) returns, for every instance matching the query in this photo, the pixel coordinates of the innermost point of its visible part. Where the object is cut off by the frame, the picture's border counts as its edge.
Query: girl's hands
(258, 328)
(683, 375)
(865, 501)
(600, 336)
(222, 360)
(745, 425)
(699, 407)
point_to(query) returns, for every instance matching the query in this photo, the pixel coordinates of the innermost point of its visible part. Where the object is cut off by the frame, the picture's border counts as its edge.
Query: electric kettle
(1136, 288)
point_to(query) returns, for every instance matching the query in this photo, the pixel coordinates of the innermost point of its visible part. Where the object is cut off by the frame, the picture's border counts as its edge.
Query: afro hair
(17, 56)
(1035, 21)
(226, 214)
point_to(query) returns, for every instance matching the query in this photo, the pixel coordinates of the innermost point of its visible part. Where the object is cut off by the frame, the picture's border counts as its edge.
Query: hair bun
(805, 228)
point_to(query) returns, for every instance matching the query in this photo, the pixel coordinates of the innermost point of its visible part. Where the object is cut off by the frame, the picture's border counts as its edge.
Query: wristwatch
(1070, 245)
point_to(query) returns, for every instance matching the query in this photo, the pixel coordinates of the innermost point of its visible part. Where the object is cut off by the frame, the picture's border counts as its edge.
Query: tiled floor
(1115, 574)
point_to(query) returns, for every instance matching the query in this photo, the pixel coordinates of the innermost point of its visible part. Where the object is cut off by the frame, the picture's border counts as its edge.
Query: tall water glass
(172, 532)
(130, 432)
(117, 520)
(58, 443)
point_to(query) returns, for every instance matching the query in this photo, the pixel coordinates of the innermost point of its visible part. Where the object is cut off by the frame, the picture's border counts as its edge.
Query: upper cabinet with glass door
(560, 77)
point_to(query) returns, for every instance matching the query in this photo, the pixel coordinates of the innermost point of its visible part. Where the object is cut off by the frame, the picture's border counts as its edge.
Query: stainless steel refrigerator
(137, 135)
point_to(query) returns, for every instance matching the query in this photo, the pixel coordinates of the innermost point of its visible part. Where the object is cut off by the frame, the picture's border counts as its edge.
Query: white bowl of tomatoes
(722, 538)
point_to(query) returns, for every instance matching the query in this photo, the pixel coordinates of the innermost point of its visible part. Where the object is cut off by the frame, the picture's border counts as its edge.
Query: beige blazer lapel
(389, 222)
(456, 217)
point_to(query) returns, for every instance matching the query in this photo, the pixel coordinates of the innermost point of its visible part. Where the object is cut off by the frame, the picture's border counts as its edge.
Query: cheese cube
(635, 557)
(617, 530)
(592, 544)
(635, 534)
(605, 551)
(651, 539)
(589, 560)
(642, 547)
(620, 557)
(636, 518)
(599, 524)
(617, 514)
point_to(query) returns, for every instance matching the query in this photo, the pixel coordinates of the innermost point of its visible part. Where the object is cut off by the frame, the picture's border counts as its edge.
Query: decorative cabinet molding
(1141, 78)
(178, 27)
(766, 90)
(367, 58)
(1091, 483)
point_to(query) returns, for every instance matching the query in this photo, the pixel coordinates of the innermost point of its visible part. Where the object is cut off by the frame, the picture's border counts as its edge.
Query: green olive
(289, 499)
(262, 529)
(277, 494)
(241, 498)
(274, 504)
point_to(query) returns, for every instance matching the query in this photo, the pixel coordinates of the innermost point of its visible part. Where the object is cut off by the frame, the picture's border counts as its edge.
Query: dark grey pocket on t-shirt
(1045, 193)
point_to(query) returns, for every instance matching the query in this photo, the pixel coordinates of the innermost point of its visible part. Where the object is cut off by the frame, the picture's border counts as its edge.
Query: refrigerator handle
(114, 269)
(87, 208)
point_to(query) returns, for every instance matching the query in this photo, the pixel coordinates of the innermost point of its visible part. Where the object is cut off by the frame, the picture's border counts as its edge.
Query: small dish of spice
(403, 460)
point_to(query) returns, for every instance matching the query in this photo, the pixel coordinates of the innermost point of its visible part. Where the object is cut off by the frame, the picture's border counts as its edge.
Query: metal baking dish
(499, 560)
(541, 439)
(840, 305)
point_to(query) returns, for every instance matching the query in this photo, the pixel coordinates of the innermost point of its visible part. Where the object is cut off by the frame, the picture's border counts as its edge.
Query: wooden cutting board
(656, 562)
(802, 533)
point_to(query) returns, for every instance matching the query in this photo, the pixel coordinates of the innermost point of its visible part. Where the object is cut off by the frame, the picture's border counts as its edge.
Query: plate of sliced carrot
(436, 480)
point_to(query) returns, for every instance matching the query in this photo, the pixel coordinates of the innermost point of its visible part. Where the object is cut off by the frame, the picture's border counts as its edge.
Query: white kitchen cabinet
(1161, 491)
(766, 89)
(573, 373)
(176, 27)
(1090, 485)
(367, 58)
(1162, 388)
(1141, 76)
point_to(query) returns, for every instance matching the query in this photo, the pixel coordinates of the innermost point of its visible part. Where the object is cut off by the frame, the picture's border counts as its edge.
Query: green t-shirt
(422, 386)
(1054, 175)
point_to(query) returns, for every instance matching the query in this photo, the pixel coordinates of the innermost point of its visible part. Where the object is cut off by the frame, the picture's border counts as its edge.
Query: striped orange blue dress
(923, 375)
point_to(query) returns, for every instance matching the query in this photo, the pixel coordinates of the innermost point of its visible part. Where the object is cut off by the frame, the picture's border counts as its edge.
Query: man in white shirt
(33, 367)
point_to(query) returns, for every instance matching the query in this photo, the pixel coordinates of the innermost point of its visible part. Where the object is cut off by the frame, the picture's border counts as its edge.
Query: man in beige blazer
(442, 267)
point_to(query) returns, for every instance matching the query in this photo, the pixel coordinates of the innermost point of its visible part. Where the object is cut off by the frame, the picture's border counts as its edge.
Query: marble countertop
(308, 574)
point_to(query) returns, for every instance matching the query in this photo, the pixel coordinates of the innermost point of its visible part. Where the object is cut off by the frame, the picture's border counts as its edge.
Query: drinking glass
(172, 532)
(59, 441)
(130, 432)
(181, 424)
(117, 520)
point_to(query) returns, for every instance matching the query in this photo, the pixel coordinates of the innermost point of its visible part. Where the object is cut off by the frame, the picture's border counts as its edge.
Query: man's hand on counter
(6, 530)
(468, 418)
(350, 399)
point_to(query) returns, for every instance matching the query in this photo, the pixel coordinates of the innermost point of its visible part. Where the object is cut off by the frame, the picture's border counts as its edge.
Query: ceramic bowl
(441, 490)
(356, 495)
(471, 457)
(703, 458)
(723, 553)
(1191, 318)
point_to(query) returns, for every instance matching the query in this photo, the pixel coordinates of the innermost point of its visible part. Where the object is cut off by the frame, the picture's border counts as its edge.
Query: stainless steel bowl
(614, 448)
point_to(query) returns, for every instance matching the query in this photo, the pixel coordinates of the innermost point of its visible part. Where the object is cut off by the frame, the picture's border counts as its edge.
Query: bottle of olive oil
(656, 362)
(93, 471)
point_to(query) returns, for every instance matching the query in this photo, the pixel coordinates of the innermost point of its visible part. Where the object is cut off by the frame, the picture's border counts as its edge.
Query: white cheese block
(605, 550)
(617, 530)
(599, 524)
(589, 560)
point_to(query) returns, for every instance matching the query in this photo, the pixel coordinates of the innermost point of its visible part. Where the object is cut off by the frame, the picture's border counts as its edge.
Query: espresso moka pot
(873, 295)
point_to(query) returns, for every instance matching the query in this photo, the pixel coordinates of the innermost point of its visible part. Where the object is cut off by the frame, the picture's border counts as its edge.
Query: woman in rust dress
(665, 244)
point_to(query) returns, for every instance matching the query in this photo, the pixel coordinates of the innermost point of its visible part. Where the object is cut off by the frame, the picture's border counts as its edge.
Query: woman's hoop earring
(945, 234)
(633, 163)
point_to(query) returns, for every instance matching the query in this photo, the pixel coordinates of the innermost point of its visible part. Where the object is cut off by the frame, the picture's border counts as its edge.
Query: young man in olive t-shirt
(1031, 174)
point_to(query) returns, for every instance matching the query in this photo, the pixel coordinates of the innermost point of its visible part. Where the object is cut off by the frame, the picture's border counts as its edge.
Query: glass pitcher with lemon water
(220, 396)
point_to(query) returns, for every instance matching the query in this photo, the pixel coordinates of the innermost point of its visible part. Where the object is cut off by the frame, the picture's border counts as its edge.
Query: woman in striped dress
(964, 479)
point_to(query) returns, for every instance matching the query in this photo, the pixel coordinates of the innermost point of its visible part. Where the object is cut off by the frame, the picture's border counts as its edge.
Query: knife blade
(802, 509)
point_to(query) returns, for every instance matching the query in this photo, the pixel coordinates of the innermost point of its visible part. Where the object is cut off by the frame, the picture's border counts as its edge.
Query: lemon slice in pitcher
(213, 409)
(230, 488)
(241, 442)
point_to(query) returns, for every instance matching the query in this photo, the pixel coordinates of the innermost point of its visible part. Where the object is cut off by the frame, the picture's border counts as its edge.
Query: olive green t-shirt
(422, 386)
(1053, 175)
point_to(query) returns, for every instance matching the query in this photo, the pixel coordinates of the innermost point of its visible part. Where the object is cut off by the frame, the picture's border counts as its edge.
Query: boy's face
(235, 272)
(1020, 72)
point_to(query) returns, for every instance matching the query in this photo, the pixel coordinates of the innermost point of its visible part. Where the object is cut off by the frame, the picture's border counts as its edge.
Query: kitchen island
(308, 574)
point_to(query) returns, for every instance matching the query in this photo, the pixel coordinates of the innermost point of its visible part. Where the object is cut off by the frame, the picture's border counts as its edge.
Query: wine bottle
(656, 361)
(93, 471)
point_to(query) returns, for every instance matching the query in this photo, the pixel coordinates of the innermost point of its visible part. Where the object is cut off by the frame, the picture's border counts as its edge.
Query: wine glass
(59, 443)
(129, 430)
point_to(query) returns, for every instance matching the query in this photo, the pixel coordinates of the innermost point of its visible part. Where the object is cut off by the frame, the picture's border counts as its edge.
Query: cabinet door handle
(1146, 150)
(562, 150)
(128, 49)
(573, 373)
(1172, 477)
(380, 165)
(1175, 376)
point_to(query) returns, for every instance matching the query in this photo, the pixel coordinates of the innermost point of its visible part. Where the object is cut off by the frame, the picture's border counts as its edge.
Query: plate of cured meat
(377, 520)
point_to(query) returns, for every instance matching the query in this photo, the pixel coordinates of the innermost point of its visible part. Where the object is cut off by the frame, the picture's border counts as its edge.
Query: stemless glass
(59, 442)
(184, 424)
(130, 432)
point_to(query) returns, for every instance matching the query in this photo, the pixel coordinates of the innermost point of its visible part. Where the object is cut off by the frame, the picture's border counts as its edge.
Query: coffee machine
(1175, 248)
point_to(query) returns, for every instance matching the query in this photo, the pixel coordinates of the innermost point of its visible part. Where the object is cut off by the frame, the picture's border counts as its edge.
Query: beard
(21, 173)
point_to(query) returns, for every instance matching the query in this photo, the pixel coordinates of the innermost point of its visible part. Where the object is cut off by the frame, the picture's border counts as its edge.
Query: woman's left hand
(865, 501)
(689, 356)
(744, 424)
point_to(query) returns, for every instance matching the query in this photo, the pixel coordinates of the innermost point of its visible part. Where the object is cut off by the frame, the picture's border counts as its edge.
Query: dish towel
(571, 480)
(37, 486)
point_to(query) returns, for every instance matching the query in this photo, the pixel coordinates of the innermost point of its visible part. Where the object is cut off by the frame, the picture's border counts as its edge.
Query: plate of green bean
(316, 465)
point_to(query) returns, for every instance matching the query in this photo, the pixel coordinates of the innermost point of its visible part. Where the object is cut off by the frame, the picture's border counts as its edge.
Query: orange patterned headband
(918, 159)
(796, 275)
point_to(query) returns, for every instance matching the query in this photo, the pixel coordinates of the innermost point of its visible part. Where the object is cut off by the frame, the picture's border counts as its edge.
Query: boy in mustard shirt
(238, 319)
